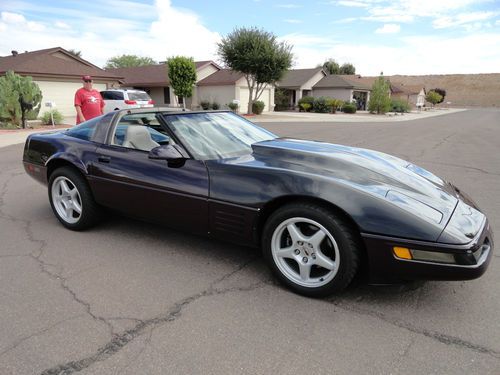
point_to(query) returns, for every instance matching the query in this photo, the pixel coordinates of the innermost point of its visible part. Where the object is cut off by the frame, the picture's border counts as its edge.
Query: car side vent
(229, 222)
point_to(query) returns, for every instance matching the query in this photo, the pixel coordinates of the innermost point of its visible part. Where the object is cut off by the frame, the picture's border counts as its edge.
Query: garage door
(265, 97)
(63, 95)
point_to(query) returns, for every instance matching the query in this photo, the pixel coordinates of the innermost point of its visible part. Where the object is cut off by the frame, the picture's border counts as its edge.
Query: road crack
(118, 342)
(437, 336)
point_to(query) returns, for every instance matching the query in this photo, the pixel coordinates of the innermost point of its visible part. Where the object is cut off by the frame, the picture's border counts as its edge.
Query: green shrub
(205, 105)
(215, 105)
(233, 107)
(57, 116)
(281, 100)
(306, 107)
(335, 104)
(349, 108)
(400, 106)
(258, 107)
(308, 100)
(322, 105)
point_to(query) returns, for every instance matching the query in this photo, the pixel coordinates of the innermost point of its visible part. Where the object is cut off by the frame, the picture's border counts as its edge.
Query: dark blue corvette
(320, 212)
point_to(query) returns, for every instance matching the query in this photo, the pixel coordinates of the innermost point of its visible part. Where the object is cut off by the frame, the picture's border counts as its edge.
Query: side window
(140, 131)
(105, 95)
(85, 130)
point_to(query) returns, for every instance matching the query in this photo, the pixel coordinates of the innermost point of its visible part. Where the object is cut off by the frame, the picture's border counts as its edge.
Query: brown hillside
(462, 90)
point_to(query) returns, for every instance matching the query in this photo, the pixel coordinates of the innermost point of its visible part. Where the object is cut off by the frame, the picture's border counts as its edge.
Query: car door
(127, 180)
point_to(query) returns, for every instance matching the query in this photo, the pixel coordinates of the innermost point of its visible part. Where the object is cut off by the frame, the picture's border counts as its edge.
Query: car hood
(372, 171)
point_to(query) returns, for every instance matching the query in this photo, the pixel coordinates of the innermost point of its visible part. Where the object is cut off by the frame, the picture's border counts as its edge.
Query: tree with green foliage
(433, 97)
(258, 55)
(182, 74)
(20, 98)
(76, 53)
(331, 66)
(380, 99)
(128, 61)
(441, 92)
(347, 68)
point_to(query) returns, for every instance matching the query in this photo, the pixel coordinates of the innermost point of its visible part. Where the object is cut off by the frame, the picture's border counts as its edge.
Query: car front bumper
(470, 260)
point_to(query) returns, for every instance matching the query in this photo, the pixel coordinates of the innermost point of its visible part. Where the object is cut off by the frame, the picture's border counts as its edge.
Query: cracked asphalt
(133, 298)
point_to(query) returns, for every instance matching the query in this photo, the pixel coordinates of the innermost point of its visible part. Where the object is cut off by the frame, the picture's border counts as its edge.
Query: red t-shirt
(91, 103)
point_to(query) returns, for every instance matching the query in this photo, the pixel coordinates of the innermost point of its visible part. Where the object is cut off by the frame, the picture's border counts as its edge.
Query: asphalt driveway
(132, 298)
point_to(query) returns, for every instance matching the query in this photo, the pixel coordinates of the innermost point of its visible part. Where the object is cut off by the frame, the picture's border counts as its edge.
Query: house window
(166, 95)
(181, 100)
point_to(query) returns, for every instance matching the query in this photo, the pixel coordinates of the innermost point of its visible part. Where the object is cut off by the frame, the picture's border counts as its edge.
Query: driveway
(132, 298)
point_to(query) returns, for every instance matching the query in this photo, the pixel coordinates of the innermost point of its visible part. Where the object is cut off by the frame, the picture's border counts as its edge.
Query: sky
(393, 37)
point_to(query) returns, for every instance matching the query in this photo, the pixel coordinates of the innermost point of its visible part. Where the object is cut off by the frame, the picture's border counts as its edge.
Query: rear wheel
(72, 200)
(310, 249)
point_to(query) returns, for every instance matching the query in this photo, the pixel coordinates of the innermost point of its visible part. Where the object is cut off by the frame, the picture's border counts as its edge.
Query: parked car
(115, 99)
(320, 212)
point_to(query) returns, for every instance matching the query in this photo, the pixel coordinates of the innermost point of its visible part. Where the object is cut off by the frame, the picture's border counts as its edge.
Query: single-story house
(58, 73)
(155, 81)
(297, 83)
(339, 87)
(225, 86)
(213, 84)
(414, 95)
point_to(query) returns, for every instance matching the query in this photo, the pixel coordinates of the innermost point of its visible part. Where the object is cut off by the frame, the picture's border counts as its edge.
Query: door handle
(104, 159)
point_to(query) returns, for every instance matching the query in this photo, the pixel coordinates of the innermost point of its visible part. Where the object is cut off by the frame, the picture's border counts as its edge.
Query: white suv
(123, 98)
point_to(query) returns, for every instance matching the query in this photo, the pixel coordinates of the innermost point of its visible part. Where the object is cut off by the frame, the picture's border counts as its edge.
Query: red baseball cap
(86, 78)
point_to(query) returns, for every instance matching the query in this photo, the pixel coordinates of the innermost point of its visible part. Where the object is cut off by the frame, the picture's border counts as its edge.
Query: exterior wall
(220, 94)
(314, 79)
(205, 72)
(267, 97)
(342, 94)
(156, 93)
(62, 93)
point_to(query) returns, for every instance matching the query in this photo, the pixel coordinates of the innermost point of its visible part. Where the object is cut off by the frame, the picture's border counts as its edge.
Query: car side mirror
(171, 153)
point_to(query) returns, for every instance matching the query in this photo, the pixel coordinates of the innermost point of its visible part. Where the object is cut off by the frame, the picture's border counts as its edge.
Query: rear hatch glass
(137, 95)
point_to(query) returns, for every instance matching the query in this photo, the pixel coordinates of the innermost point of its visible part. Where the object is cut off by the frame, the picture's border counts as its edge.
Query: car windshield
(138, 95)
(216, 135)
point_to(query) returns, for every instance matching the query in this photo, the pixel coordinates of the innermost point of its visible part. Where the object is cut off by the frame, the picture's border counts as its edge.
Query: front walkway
(360, 116)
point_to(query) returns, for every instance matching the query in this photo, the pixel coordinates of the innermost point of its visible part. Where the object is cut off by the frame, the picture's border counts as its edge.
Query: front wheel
(72, 200)
(310, 249)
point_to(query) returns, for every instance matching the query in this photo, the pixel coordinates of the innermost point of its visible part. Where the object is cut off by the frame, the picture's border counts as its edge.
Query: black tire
(346, 238)
(90, 210)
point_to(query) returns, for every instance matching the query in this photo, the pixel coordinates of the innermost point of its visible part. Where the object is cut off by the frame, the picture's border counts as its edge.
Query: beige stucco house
(339, 87)
(58, 74)
(297, 83)
(155, 81)
(414, 95)
(226, 86)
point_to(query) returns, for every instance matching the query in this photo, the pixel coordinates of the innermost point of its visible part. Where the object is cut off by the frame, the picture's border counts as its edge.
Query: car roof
(124, 90)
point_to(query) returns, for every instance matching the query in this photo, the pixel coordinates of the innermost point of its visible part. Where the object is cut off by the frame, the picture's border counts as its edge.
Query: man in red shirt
(88, 102)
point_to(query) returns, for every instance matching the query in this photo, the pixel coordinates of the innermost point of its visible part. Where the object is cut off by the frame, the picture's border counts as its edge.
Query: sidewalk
(15, 136)
(360, 116)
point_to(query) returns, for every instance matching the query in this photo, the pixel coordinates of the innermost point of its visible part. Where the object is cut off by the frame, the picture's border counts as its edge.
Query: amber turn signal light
(402, 252)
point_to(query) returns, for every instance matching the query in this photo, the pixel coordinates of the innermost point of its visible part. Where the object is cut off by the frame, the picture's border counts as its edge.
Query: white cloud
(477, 53)
(345, 20)
(288, 6)
(461, 19)
(62, 25)
(173, 32)
(353, 3)
(13, 18)
(3, 27)
(293, 21)
(388, 28)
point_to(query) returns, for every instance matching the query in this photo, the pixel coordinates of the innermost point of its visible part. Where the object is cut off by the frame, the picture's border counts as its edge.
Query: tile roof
(295, 78)
(150, 75)
(52, 62)
(338, 81)
(221, 78)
